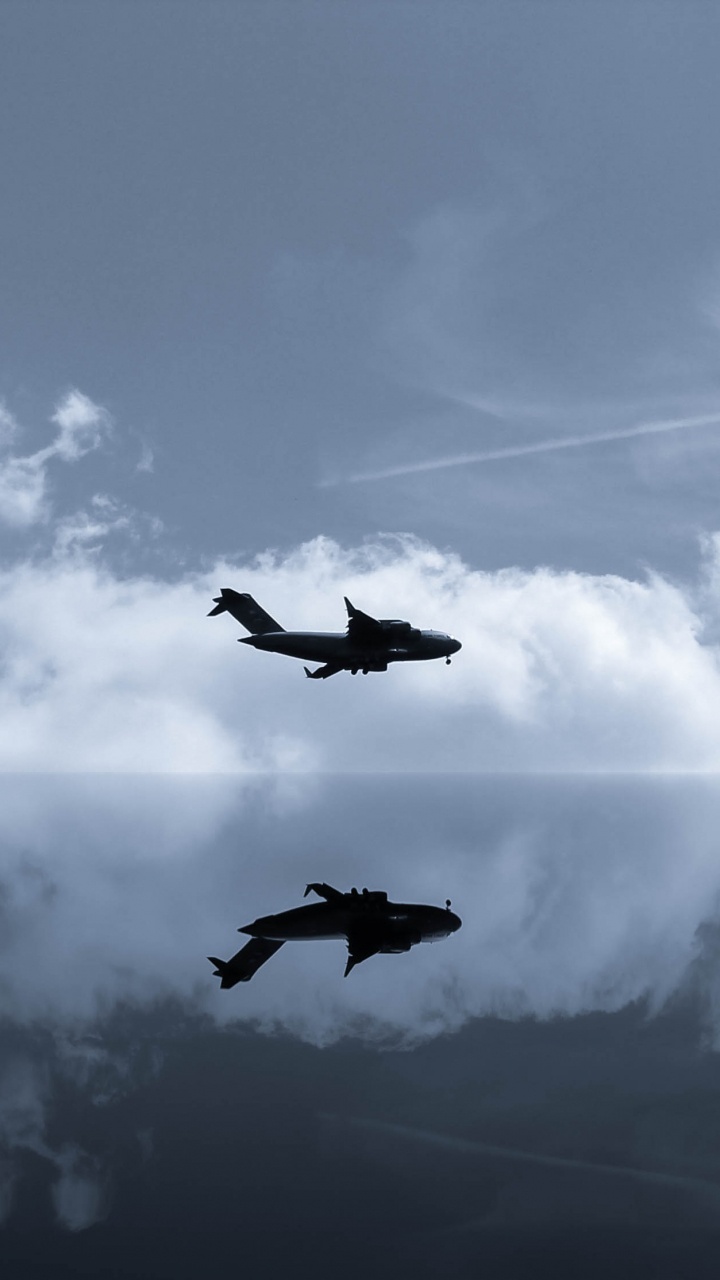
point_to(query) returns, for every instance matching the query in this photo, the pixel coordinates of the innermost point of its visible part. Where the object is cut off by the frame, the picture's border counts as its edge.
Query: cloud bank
(574, 895)
(559, 670)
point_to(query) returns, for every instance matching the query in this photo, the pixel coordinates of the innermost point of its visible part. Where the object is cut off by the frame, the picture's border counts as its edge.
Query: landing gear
(447, 662)
(365, 670)
(353, 671)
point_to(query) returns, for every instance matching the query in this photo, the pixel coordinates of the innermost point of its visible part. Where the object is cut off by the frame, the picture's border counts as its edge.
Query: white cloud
(573, 897)
(83, 425)
(24, 480)
(112, 894)
(85, 532)
(23, 484)
(558, 671)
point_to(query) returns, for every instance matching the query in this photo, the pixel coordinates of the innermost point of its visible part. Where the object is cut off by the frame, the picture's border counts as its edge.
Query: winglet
(308, 673)
(351, 962)
(350, 607)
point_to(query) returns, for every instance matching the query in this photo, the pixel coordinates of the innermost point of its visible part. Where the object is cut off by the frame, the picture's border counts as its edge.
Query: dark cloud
(269, 1153)
(136, 1095)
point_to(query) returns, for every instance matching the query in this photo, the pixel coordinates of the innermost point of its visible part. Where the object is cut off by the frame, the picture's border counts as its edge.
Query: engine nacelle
(399, 940)
(397, 628)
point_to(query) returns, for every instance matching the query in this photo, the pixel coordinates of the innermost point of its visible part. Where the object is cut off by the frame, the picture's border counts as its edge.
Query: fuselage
(396, 921)
(336, 647)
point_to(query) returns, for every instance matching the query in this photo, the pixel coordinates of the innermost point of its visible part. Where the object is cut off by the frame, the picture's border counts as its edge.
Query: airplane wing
(360, 625)
(360, 947)
(322, 673)
(245, 963)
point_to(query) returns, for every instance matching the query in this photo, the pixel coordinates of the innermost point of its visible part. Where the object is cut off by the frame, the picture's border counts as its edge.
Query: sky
(418, 304)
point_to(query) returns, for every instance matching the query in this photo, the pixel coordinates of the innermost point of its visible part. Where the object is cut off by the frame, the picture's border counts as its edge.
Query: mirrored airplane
(369, 644)
(368, 922)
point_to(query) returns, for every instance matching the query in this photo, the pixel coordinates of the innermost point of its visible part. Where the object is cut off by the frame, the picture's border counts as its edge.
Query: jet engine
(403, 942)
(399, 629)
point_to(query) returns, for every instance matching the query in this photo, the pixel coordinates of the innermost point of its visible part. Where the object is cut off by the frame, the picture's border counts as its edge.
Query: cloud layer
(558, 671)
(574, 895)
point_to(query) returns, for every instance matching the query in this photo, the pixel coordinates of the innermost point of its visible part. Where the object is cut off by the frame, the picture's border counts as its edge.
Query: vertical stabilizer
(245, 610)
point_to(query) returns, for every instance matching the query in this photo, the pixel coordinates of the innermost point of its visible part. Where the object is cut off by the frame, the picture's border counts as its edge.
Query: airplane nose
(455, 646)
(455, 921)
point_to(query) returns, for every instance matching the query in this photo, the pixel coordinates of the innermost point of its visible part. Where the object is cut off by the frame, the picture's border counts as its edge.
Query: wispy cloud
(550, 445)
(449, 1142)
(85, 531)
(147, 458)
(23, 480)
(79, 1193)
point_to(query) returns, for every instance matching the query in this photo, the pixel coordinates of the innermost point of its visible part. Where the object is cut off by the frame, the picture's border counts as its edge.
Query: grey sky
(283, 241)
(417, 303)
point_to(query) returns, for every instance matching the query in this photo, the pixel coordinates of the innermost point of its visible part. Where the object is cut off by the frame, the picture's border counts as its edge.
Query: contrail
(705, 1189)
(522, 450)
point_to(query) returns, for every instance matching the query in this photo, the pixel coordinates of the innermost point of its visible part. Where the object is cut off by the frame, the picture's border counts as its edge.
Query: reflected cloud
(575, 895)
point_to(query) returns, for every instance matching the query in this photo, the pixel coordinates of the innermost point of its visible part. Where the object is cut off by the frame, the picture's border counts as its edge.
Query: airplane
(369, 923)
(369, 644)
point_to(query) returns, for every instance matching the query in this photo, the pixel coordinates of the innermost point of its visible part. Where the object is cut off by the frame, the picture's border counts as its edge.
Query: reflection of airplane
(368, 921)
(369, 644)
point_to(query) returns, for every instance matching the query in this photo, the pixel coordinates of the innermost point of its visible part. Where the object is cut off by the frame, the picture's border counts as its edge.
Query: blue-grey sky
(288, 244)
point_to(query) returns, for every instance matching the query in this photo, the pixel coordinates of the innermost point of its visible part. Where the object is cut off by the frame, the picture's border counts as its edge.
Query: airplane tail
(224, 971)
(245, 963)
(245, 610)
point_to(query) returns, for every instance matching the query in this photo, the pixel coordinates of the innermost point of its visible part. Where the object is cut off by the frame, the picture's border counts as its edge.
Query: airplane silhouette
(369, 644)
(369, 923)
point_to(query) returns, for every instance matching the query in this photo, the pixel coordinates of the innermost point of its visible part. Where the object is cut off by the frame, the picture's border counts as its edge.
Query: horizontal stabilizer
(245, 610)
(245, 963)
(325, 891)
